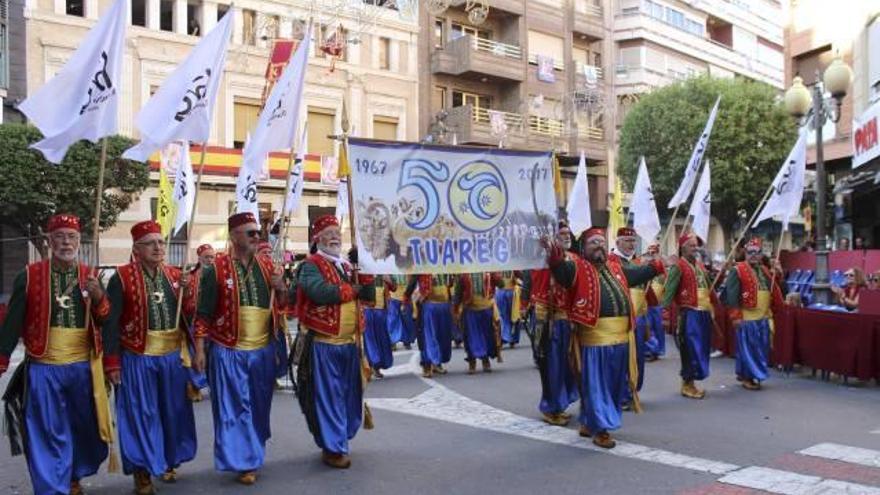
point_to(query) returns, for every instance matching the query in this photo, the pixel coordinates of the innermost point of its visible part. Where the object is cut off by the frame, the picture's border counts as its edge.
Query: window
(694, 27)
(272, 29)
(384, 53)
(675, 18)
(438, 98)
(654, 9)
(75, 7)
(245, 114)
(193, 27)
(249, 32)
(330, 40)
(166, 15)
(548, 46)
(221, 11)
(459, 30)
(462, 98)
(139, 13)
(322, 123)
(385, 128)
(439, 33)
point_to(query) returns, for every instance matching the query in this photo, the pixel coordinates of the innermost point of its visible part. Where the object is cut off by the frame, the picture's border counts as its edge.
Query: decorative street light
(805, 105)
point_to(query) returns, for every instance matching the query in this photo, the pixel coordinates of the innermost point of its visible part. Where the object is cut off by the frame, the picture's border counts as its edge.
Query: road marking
(837, 452)
(788, 483)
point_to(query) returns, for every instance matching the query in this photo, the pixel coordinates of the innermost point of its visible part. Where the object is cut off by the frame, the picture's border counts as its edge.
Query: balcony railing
(589, 132)
(481, 116)
(557, 64)
(496, 48)
(546, 126)
(580, 69)
(587, 7)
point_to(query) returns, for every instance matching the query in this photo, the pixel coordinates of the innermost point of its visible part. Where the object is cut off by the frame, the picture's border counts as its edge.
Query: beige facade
(484, 84)
(377, 75)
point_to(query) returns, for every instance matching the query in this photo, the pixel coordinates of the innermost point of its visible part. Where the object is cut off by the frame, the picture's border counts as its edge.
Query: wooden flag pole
(669, 228)
(189, 230)
(742, 234)
(776, 262)
(284, 214)
(99, 198)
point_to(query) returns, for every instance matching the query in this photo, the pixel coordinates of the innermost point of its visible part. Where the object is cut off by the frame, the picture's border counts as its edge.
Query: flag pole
(189, 229)
(742, 234)
(285, 215)
(99, 198)
(776, 262)
(669, 228)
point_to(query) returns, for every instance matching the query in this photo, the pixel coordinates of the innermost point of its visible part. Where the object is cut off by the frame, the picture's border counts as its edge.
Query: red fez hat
(62, 221)
(322, 223)
(755, 243)
(688, 236)
(593, 232)
(240, 219)
(626, 232)
(204, 247)
(146, 227)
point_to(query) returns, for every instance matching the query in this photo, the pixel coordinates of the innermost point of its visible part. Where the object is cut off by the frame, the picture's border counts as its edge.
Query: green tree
(751, 137)
(33, 189)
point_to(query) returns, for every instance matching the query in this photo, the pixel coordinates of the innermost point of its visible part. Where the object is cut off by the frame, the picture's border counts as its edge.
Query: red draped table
(843, 343)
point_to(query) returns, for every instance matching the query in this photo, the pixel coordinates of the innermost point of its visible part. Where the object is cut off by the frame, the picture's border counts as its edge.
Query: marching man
(66, 412)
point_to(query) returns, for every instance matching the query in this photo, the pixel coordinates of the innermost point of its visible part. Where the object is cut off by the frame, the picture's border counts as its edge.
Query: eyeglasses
(153, 243)
(253, 233)
(849, 274)
(753, 251)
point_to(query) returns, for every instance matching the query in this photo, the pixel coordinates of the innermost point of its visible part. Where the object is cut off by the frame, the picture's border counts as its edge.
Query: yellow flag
(557, 178)
(616, 220)
(344, 169)
(165, 207)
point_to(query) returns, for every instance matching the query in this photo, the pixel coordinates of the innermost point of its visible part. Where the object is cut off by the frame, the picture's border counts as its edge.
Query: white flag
(788, 186)
(82, 101)
(183, 107)
(690, 173)
(246, 191)
(646, 221)
(277, 124)
(297, 178)
(579, 217)
(701, 205)
(342, 200)
(184, 186)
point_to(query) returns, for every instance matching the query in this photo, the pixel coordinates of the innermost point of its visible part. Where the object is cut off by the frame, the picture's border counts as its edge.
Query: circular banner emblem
(478, 196)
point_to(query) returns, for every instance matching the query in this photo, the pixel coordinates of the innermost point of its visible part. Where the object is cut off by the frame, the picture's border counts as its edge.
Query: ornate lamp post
(807, 105)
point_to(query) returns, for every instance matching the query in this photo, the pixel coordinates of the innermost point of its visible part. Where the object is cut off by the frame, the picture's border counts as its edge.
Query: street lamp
(805, 105)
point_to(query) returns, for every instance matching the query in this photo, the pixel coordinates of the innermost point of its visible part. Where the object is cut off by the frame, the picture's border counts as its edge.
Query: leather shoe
(604, 440)
(555, 419)
(338, 461)
(143, 485)
(169, 476)
(247, 477)
(76, 488)
(584, 432)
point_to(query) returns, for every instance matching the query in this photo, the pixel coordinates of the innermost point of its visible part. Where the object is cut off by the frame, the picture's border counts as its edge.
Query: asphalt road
(482, 434)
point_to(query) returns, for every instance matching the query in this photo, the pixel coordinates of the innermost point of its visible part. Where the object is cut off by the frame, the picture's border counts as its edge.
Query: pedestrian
(240, 309)
(157, 431)
(848, 295)
(401, 324)
(473, 303)
(65, 434)
(377, 342)
(329, 377)
(750, 306)
(435, 323)
(507, 306)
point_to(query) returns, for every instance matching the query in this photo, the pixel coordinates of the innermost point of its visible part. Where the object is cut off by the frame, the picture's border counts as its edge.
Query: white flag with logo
(277, 124)
(183, 107)
(701, 205)
(579, 216)
(297, 178)
(246, 191)
(82, 101)
(788, 186)
(690, 173)
(342, 199)
(646, 221)
(184, 186)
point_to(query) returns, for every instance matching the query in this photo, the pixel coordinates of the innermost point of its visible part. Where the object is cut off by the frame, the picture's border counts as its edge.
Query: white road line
(837, 452)
(787, 483)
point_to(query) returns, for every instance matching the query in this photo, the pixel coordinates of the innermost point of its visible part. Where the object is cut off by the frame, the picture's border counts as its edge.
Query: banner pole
(284, 214)
(189, 230)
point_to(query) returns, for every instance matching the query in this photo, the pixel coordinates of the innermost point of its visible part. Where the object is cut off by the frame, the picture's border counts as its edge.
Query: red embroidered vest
(547, 292)
(586, 294)
(748, 283)
(224, 327)
(323, 318)
(687, 285)
(39, 309)
(135, 320)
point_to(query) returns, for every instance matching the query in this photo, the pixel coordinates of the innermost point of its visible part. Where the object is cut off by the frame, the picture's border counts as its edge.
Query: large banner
(436, 209)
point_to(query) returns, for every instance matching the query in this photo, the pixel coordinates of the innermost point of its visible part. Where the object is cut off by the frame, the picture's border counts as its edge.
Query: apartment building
(376, 72)
(532, 75)
(816, 34)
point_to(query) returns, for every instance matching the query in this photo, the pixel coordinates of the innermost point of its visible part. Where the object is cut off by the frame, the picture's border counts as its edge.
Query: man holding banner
(689, 285)
(240, 307)
(604, 327)
(329, 376)
(157, 431)
(61, 384)
(750, 306)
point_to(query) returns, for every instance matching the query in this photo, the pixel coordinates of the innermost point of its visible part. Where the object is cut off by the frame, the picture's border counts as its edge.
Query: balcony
(479, 58)
(597, 77)
(547, 134)
(515, 7)
(588, 19)
(472, 125)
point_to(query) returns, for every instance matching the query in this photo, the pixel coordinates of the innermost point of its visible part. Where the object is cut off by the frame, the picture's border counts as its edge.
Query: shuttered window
(385, 128)
(546, 45)
(245, 114)
(321, 125)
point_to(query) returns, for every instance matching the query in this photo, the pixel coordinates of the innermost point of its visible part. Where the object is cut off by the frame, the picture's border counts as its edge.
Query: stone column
(178, 17)
(154, 14)
(208, 19)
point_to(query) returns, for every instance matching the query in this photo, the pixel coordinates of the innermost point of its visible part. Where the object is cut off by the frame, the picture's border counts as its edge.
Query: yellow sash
(542, 311)
(516, 307)
(703, 301)
(399, 293)
(66, 346)
(480, 303)
(438, 294)
(380, 298)
(659, 289)
(615, 330)
(347, 322)
(761, 310)
(640, 304)
(253, 328)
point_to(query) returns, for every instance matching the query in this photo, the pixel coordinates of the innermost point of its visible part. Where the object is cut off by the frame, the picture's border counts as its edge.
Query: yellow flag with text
(617, 219)
(165, 207)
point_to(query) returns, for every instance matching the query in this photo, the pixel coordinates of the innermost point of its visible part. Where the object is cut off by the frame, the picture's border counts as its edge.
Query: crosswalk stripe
(854, 455)
(788, 483)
